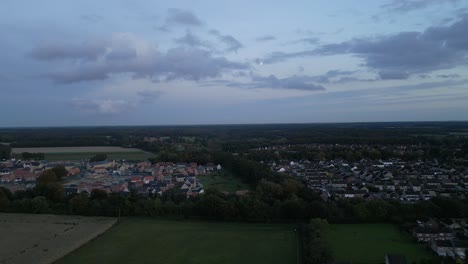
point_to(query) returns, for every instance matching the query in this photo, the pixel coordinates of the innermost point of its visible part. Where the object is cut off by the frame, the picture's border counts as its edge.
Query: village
(389, 179)
(111, 176)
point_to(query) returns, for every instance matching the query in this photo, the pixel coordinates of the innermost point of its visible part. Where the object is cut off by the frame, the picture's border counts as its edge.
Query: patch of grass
(77, 156)
(224, 181)
(174, 242)
(368, 243)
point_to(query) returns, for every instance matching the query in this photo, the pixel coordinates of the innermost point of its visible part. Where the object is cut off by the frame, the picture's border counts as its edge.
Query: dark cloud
(86, 51)
(79, 75)
(231, 43)
(448, 76)
(186, 63)
(265, 38)
(182, 17)
(280, 56)
(191, 40)
(295, 82)
(337, 73)
(410, 5)
(393, 75)
(400, 55)
(92, 18)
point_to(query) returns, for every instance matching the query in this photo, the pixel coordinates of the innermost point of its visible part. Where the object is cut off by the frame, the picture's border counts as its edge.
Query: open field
(83, 153)
(45, 238)
(141, 155)
(368, 243)
(173, 242)
(103, 149)
(223, 181)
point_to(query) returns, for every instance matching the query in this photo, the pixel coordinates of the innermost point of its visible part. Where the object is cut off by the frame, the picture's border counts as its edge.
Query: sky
(122, 62)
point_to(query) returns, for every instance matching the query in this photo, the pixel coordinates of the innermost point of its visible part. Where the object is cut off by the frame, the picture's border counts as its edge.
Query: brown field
(46, 150)
(28, 238)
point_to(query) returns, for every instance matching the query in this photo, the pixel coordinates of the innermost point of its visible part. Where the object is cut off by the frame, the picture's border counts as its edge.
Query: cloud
(86, 51)
(92, 18)
(231, 43)
(294, 82)
(280, 56)
(125, 53)
(149, 96)
(403, 6)
(180, 17)
(265, 38)
(311, 41)
(102, 106)
(398, 56)
(448, 76)
(393, 75)
(192, 40)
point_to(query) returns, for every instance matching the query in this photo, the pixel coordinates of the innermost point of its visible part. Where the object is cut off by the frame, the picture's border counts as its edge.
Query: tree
(39, 205)
(5, 197)
(97, 194)
(47, 176)
(60, 172)
(5, 151)
(99, 157)
(79, 204)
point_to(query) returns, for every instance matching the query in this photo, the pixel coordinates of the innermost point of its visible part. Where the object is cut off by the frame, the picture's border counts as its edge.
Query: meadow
(136, 240)
(84, 153)
(28, 238)
(224, 181)
(369, 243)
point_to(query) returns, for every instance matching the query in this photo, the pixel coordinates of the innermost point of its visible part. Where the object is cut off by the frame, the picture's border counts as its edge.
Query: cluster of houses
(111, 176)
(447, 237)
(390, 179)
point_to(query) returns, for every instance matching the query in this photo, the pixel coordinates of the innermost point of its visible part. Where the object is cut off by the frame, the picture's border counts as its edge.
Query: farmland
(46, 238)
(83, 153)
(223, 181)
(368, 243)
(174, 242)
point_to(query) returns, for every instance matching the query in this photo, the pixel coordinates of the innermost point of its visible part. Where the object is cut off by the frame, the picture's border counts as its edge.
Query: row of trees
(286, 200)
(5, 151)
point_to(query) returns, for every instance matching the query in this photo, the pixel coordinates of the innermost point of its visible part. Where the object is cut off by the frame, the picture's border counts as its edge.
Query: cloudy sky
(126, 62)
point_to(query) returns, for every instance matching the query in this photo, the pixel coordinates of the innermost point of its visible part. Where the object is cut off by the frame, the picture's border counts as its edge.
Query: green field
(368, 243)
(76, 156)
(223, 181)
(173, 242)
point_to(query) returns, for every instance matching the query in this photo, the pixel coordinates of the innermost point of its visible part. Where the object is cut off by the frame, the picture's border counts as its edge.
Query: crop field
(30, 238)
(180, 242)
(368, 243)
(223, 181)
(83, 153)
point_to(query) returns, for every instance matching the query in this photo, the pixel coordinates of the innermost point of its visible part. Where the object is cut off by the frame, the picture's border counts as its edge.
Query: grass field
(223, 181)
(174, 242)
(368, 243)
(141, 155)
(29, 238)
(83, 153)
